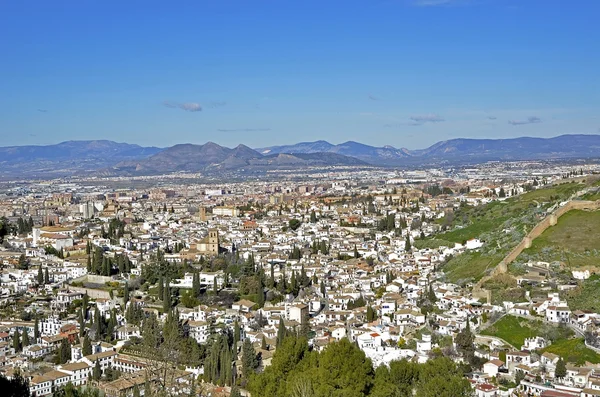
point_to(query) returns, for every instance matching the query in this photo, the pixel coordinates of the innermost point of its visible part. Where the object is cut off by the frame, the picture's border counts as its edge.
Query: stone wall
(540, 228)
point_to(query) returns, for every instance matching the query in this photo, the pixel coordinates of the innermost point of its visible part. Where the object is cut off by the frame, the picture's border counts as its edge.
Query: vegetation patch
(573, 351)
(574, 241)
(501, 225)
(515, 330)
(504, 288)
(586, 296)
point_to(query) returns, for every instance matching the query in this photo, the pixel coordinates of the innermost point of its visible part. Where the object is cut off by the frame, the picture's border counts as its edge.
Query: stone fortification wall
(541, 227)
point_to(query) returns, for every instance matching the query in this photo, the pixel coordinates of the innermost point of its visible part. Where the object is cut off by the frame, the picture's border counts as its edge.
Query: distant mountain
(110, 158)
(353, 149)
(564, 146)
(66, 158)
(211, 157)
(459, 150)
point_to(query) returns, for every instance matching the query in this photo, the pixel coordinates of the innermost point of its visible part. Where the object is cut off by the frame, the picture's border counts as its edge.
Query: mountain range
(459, 150)
(104, 157)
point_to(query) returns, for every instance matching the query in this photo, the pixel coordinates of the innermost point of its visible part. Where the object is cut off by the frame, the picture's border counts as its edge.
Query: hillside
(500, 224)
(573, 242)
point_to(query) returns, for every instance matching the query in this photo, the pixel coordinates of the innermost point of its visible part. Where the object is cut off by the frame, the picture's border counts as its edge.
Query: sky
(405, 73)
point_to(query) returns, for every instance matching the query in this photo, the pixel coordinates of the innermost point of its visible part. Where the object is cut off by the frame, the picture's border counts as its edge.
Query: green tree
(97, 371)
(17, 340)
(64, 353)
(561, 369)
(343, 371)
(86, 350)
(15, 387)
(36, 330)
(161, 292)
(294, 224)
(281, 332)
(126, 293)
(167, 297)
(46, 276)
(249, 359)
(25, 338)
(40, 276)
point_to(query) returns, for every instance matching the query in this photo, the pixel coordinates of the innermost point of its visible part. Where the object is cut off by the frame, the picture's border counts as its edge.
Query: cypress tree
(17, 341)
(97, 371)
(167, 297)
(161, 292)
(25, 338)
(280, 332)
(46, 276)
(126, 293)
(263, 343)
(36, 330)
(40, 276)
(86, 350)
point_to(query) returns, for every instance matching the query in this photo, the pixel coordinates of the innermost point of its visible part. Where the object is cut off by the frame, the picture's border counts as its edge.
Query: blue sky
(405, 73)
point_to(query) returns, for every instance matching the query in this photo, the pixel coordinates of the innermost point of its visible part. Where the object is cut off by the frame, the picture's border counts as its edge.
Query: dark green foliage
(64, 351)
(87, 347)
(15, 387)
(371, 314)
(343, 370)
(281, 331)
(126, 293)
(294, 224)
(17, 341)
(249, 359)
(561, 369)
(97, 374)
